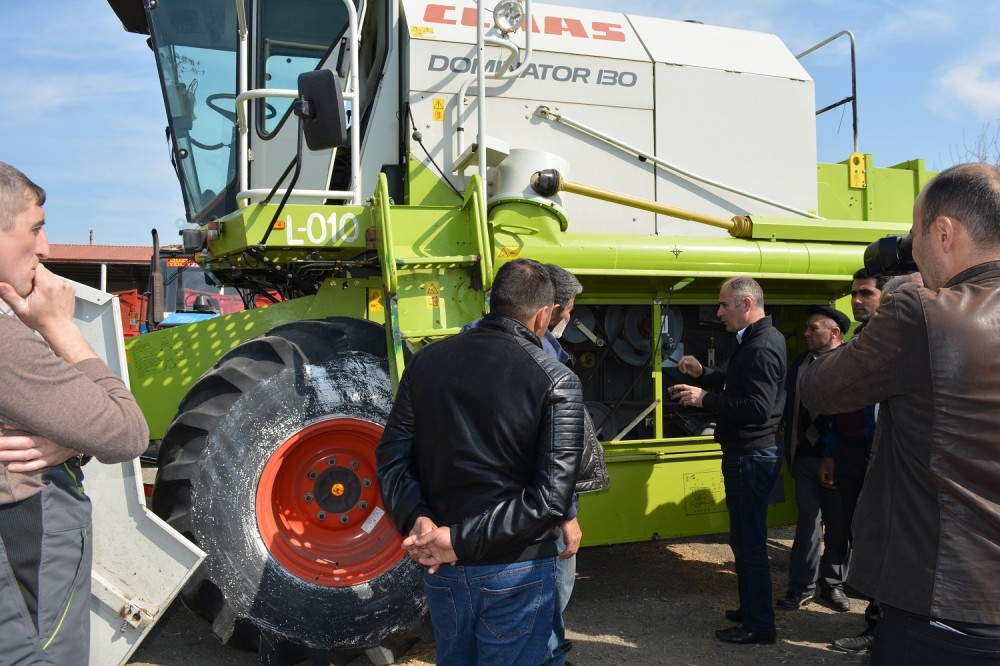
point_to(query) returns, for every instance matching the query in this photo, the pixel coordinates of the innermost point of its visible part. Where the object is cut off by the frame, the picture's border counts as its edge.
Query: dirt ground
(642, 604)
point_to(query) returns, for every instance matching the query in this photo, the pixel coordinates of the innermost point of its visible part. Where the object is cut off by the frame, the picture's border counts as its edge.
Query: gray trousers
(63, 634)
(819, 508)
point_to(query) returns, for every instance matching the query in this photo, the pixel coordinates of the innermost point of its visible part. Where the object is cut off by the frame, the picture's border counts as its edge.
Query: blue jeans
(749, 477)
(492, 615)
(565, 580)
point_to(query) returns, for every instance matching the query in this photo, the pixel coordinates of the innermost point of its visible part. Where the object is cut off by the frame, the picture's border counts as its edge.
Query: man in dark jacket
(821, 525)
(477, 465)
(927, 527)
(748, 397)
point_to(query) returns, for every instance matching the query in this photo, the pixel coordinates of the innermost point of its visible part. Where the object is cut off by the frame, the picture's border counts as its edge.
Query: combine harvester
(372, 164)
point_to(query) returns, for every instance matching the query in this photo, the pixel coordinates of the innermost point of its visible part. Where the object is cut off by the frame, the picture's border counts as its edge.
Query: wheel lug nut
(367, 483)
(313, 474)
(331, 461)
(344, 518)
(362, 505)
(355, 464)
(321, 515)
(308, 497)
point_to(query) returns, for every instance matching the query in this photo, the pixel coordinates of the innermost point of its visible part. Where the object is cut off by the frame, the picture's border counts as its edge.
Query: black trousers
(21, 538)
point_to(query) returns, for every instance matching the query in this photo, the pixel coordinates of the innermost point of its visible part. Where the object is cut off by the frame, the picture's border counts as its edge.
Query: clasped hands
(430, 545)
(28, 453)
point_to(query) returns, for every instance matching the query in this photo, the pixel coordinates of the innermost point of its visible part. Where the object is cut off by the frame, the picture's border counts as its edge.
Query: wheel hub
(319, 509)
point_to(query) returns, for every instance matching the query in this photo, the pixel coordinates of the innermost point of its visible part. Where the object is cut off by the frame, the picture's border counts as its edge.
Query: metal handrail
(245, 95)
(853, 98)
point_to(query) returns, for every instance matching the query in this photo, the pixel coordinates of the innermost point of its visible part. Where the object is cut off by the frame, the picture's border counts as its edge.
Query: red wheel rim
(319, 509)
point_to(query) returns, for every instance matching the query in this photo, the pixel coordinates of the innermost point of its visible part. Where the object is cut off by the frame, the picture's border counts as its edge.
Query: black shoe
(838, 599)
(856, 644)
(566, 646)
(735, 615)
(741, 636)
(795, 601)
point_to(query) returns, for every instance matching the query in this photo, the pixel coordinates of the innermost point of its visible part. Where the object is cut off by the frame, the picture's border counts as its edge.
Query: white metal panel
(550, 77)
(590, 161)
(554, 28)
(714, 47)
(752, 132)
(140, 563)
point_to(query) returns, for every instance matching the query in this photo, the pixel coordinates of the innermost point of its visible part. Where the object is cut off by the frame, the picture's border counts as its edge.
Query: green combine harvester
(370, 165)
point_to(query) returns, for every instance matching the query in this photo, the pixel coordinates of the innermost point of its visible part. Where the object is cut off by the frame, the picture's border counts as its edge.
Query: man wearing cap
(808, 438)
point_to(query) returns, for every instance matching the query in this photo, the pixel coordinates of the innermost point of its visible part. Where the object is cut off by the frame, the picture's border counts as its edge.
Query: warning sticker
(508, 252)
(433, 292)
(372, 521)
(419, 31)
(439, 109)
(374, 300)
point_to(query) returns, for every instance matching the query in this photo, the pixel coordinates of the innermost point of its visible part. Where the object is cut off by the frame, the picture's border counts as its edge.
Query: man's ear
(944, 230)
(540, 322)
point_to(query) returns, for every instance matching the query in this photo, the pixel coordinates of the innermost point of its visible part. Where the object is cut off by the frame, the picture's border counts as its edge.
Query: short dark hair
(744, 286)
(565, 283)
(520, 288)
(971, 194)
(880, 278)
(17, 192)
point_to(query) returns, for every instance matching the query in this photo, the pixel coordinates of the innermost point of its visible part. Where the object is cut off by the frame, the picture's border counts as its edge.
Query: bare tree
(985, 148)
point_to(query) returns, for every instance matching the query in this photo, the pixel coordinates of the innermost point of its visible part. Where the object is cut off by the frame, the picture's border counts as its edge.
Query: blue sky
(81, 112)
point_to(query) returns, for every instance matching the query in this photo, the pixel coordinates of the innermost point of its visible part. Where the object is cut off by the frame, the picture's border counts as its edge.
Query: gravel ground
(643, 604)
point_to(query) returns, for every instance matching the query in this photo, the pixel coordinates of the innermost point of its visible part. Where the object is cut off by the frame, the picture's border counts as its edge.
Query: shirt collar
(739, 334)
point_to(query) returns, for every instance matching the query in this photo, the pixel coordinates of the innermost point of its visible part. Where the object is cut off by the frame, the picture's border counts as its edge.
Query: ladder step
(456, 260)
(430, 333)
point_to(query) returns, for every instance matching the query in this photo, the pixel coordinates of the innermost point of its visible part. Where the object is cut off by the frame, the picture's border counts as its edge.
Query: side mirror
(321, 107)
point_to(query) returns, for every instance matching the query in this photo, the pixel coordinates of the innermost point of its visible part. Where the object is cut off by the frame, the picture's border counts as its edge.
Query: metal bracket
(857, 171)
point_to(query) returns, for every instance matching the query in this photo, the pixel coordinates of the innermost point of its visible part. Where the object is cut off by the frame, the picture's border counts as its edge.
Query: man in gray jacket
(927, 528)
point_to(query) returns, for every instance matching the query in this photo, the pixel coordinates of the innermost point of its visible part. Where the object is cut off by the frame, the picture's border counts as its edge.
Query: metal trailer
(387, 237)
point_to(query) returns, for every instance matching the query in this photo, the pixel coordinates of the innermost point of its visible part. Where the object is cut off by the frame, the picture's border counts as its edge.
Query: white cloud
(973, 83)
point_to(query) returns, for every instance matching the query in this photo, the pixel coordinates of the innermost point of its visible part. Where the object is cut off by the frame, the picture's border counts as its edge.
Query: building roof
(104, 254)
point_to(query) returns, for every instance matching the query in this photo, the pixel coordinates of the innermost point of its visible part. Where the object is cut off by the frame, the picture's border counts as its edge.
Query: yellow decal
(433, 292)
(508, 252)
(439, 109)
(419, 31)
(179, 262)
(279, 225)
(374, 300)
(337, 490)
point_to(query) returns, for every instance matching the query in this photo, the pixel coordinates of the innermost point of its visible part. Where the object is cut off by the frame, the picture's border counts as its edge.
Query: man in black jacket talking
(748, 397)
(477, 466)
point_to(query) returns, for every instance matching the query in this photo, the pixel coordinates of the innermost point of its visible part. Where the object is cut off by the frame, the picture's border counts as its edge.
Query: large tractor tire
(269, 466)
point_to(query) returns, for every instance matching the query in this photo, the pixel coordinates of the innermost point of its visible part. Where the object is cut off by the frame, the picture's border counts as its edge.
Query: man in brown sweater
(59, 405)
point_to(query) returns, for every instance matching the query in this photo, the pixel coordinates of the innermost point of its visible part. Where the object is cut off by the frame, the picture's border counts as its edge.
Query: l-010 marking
(321, 230)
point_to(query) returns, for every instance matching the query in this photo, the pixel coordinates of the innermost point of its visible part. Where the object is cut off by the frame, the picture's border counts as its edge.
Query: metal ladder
(437, 266)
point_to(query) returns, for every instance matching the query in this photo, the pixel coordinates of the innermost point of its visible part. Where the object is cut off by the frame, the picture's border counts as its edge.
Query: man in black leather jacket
(477, 465)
